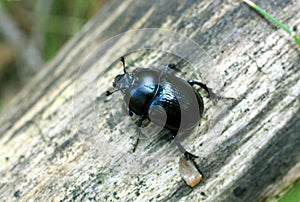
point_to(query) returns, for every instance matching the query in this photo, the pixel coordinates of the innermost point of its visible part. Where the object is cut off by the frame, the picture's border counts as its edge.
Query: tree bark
(62, 139)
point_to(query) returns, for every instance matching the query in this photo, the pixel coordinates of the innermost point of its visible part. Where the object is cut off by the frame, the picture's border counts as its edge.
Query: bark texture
(61, 139)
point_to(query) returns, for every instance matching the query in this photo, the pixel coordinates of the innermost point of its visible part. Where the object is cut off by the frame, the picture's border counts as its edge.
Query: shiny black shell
(166, 100)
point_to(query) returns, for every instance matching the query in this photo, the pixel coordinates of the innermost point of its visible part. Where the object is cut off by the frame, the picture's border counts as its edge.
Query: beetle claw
(190, 156)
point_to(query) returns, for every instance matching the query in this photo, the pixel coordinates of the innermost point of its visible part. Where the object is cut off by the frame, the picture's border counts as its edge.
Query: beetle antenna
(108, 93)
(123, 62)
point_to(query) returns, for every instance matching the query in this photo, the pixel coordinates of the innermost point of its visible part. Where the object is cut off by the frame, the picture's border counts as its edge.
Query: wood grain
(63, 140)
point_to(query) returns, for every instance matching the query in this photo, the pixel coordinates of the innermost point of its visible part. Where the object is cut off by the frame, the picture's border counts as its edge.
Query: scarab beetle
(163, 98)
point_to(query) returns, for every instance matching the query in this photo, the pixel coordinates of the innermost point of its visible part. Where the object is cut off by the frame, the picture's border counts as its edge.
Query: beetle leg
(130, 113)
(167, 69)
(170, 66)
(211, 94)
(187, 154)
(138, 132)
(215, 97)
(202, 85)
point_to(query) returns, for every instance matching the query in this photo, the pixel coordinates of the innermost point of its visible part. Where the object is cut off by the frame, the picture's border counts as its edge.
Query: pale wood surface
(248, 152)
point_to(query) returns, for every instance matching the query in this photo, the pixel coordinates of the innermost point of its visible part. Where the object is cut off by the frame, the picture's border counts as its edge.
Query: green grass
(274, 20)
(48, 25)
(63, 19)
(293, 195)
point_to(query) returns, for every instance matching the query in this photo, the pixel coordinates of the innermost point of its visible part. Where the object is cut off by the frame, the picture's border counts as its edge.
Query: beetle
(164, 99)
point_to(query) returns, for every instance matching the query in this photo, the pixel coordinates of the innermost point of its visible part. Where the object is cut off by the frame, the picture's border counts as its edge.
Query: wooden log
(62, 139)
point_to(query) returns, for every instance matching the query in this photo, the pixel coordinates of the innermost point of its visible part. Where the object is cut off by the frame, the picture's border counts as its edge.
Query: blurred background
(32, 32)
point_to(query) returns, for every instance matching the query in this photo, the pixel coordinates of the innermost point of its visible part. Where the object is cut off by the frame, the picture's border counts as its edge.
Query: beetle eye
(117, 79)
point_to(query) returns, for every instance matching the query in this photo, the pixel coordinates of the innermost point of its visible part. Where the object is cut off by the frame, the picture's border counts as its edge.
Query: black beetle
(166, 100)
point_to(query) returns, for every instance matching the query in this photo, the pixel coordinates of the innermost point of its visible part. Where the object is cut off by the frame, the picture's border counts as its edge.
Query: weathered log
(62, 139)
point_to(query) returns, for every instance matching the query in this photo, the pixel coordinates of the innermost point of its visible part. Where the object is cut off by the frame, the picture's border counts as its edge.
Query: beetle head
(122, 81)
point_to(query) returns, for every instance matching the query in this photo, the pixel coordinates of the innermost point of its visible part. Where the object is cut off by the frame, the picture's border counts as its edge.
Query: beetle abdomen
(177, 106)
